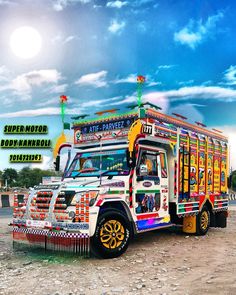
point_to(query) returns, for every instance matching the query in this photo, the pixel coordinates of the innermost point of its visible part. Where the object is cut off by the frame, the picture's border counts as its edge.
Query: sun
(25, 42)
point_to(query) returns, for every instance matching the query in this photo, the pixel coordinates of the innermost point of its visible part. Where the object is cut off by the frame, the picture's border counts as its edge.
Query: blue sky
(93, 50)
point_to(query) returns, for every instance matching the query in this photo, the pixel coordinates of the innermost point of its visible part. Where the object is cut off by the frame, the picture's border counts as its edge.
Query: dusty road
(166, 262)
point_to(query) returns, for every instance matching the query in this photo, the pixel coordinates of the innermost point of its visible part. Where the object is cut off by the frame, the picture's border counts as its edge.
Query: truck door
(151, 185)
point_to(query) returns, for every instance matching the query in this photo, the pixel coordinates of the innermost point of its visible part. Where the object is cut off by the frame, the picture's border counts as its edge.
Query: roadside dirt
(166, 262)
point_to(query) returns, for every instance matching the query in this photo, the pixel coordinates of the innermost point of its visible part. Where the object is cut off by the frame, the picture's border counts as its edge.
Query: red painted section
(99, 202)
(201, 200)
(147, 216)
(188, 207)
(212, 198)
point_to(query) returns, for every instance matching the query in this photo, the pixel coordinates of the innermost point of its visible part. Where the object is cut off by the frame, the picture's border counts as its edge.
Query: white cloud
(101, 102)
(230, 132)
(32, 113)
(200, 92)
(165, 67)
(160, 101)
(58, 88)
(4, 70)
(127, 99)
(94, 79)
(59, 38)
(138, 3)
(132, 78)
(44, 165)
(116, 27)
(22, 84)
(59, 5)
(92, 103)
(69, 39)
(150, 97)
(185, 83)
(117, 4)
(6, 2)
(189, 111)
(153, 83)
(230, 75)
(39, 112)
(196, 32)
(4, 74)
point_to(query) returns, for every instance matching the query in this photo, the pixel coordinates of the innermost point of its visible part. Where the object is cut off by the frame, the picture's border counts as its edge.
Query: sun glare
(25, 42)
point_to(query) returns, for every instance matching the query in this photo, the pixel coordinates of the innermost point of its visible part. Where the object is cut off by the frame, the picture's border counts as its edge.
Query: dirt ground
(166, 262)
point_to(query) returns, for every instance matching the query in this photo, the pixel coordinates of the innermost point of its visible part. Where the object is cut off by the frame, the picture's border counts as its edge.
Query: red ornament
(63, 98)
(141, 79)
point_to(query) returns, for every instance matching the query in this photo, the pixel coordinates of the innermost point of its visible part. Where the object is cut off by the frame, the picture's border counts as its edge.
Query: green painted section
(147, 191)
(106, 117)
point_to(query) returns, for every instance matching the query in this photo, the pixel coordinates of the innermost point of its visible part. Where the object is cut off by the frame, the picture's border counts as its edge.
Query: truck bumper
(73, 242)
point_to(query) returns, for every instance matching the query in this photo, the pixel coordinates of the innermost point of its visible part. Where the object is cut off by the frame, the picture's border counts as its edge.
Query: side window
(148, 162)
(163, 165)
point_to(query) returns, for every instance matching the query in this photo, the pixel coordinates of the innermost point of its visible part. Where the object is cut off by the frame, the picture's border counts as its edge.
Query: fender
(117, 204)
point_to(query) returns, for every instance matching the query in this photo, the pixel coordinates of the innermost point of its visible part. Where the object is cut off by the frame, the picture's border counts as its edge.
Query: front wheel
(112, 235)
(203, 221)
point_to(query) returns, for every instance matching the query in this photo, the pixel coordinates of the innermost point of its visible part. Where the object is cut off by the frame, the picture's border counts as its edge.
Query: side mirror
(143, 170)
(57, 163)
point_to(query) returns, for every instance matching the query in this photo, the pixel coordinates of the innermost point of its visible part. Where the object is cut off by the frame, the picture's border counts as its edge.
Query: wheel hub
(204, 220)
(112, 234)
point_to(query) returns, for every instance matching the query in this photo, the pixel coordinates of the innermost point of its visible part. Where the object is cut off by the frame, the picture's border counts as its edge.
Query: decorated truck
(130, 173)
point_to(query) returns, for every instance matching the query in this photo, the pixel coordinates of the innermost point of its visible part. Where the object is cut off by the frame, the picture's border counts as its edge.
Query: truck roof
(115, 122)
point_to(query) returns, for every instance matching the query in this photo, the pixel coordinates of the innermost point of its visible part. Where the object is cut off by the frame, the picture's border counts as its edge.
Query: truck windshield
(99, 163)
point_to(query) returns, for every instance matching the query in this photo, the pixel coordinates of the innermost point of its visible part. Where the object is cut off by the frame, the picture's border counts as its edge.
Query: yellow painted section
(217, 175)
(166, 219)
(61, 139)
(189, 224)
(194, 173)
(135, 130)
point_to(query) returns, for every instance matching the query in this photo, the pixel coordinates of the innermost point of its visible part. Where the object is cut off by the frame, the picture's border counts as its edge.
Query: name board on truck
(104, 130)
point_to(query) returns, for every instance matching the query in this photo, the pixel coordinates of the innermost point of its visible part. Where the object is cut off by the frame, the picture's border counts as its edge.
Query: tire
(203, 221)
(112, 235)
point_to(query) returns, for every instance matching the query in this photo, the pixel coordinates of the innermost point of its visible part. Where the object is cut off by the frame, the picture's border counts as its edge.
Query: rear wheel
(112, 235)
(203, 221)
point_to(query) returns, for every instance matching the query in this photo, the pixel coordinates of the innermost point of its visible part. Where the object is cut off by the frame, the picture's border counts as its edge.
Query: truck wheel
(112, 235)
(203, 221)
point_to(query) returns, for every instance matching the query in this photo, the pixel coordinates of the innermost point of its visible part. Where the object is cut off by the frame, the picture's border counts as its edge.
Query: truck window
(93, 164)
(149, 159)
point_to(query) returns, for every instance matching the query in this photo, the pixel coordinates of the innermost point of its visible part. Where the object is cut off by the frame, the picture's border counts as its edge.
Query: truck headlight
(93, 197)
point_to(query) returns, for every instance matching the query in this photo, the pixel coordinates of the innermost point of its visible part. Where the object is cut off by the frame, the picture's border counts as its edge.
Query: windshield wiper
(85, 170)
(105, 173)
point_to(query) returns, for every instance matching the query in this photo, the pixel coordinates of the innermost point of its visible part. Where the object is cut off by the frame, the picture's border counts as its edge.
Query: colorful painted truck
(131, 173)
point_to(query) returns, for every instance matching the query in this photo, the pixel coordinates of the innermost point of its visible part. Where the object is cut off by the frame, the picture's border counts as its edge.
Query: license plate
(38, 223)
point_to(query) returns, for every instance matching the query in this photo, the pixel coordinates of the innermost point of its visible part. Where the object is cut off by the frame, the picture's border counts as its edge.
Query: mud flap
(189, 224)
(221, 219)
